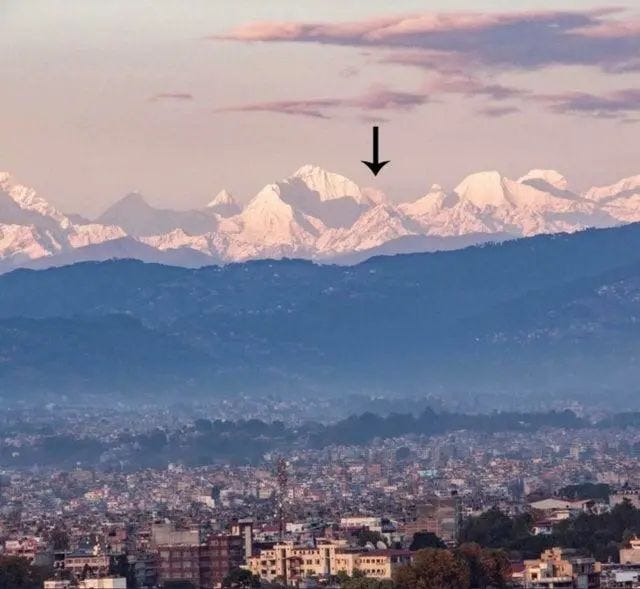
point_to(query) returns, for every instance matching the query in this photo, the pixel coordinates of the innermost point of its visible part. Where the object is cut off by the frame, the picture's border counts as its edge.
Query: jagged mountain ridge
(313, 214)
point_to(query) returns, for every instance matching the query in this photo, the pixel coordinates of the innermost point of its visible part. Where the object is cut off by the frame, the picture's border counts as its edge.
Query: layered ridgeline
(313, 214)
(507, 325)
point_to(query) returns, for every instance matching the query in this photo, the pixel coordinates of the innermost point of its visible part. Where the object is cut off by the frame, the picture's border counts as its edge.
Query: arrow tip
(375, 167)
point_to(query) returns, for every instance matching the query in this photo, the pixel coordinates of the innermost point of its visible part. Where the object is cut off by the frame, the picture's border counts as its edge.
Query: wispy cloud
(498, 111)
(376, 99)
(177, 96)
(604, 38)
(616, 104)
(468, 85)
(313, 107)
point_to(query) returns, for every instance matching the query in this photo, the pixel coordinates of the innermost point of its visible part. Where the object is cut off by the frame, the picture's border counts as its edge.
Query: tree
(367, 583)
(497, 568)
(121, 567)
(433, 568)
(487, 568)
(598, 535)
(365, 536)
(241, 578)
(425, 540)
(586, 491)
(360, 581)
(494, 529)
(16, 573)
(59, 538)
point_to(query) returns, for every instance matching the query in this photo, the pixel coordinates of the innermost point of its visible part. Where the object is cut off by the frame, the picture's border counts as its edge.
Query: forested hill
(527, 319)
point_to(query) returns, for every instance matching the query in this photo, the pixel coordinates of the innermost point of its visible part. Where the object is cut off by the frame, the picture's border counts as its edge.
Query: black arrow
(376, 165)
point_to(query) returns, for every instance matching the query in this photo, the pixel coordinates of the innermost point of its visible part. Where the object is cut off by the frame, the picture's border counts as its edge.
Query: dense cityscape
(548, 500)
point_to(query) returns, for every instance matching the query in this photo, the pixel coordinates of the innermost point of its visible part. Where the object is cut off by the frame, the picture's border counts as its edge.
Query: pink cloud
(616, 104)
(498, 111)
(307, 108)
(471, 86)
(518, 39)
(375, 99)
(172, 96)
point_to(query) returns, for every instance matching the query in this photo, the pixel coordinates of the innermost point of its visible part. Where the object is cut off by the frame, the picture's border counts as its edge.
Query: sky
(178, 99)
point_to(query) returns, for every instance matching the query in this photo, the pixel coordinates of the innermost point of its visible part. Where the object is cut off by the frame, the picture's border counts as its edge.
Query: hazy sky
(180, 98)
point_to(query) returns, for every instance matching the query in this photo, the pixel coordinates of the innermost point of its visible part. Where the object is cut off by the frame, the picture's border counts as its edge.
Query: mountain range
(524, 323)
(313, 214)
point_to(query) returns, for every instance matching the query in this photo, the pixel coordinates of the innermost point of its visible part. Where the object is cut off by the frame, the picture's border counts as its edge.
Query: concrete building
(79, 562)
(438, 515)
(631, 495)
(244, 529)
(167, 534)
(57, 584)
(103, 583)
(631, 554)
(371, 523)
(289, 563)
(204, 564)
(561, 568)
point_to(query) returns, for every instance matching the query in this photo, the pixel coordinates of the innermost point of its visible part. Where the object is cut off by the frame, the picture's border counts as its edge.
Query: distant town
(520, 506)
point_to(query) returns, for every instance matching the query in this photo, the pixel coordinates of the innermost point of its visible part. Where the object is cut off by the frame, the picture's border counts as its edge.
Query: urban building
(289, 563)
(561, 568)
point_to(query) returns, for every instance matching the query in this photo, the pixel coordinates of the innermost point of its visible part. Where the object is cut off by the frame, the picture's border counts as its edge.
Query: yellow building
(561, 567)
(631, 554)
(290, 563)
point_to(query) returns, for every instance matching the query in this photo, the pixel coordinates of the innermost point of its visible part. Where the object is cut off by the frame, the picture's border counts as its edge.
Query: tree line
(599, 535)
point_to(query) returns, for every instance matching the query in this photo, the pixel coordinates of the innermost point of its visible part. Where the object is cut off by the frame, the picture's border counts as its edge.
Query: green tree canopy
(240, 579)
(426, 540)
(433, 568)
(364, 536)
(487, 567)
(17, 573)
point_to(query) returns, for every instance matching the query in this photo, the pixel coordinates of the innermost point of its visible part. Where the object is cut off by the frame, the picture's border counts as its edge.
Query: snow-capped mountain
(488, 202)
(313, 214)
(138, 218)
(31, 228)
(224, 204)
(620, 200)
(333, 199)
(379, 224)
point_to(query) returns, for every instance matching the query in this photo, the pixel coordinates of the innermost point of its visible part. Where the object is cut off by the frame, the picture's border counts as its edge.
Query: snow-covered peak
(483, 189)
(490, 189)
(223, 198)
(627, 185)
(269, 216)
(171, 240)
(328, 185)
(374, 195)
(431, 203)
(224, 204)
(316, 214)
(269, 197)
(377, 225)
(550, 177)
(28, 200)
